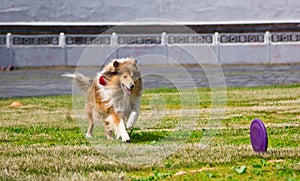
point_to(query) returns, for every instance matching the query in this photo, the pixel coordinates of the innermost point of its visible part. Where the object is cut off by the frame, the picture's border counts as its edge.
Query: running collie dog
(113, 95)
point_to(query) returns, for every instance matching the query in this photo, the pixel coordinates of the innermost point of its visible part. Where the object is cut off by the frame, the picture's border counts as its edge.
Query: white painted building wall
(174, 10)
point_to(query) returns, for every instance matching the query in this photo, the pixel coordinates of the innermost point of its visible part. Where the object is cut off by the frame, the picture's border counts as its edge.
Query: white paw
(126, 138)
(121, 132)
(131, 120)
(128, 125)
(88, 135)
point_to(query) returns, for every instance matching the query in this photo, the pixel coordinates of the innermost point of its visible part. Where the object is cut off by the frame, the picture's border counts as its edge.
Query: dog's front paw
(131, 120)
(128, 125)
(126, 140)
(125, 137)
(121, 132)
(88, 135)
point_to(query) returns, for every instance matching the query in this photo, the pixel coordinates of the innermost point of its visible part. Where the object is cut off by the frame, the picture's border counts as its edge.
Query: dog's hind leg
(90, 115)
(108, 129)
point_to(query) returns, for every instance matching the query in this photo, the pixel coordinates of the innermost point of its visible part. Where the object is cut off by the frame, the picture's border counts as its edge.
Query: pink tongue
(126, 90)
(102, 81)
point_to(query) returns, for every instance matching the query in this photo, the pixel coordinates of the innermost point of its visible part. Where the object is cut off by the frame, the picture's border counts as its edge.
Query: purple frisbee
(258, 136)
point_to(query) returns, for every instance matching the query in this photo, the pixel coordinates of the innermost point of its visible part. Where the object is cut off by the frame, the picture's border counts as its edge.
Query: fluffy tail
(81, 81)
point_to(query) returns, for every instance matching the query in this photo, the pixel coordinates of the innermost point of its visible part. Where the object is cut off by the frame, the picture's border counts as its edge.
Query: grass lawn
(44, 139)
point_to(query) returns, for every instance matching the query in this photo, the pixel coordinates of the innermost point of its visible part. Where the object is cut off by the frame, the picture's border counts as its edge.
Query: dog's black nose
(131, 86)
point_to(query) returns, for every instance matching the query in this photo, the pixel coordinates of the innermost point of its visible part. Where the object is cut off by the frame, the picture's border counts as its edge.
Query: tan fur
(122, 62)
(111, 102)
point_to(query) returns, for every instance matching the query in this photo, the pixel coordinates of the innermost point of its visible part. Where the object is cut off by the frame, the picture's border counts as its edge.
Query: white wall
(174, 10)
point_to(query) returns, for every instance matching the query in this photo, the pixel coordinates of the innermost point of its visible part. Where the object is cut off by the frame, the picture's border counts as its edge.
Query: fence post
(62, 44)
(164, 43)
(8, 35)
(62, 39)
(114, 39)
(164, 39)
(217, 44)
(268, 44)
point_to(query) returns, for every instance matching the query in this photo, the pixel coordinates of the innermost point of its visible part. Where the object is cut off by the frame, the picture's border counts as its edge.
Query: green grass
(43, 140)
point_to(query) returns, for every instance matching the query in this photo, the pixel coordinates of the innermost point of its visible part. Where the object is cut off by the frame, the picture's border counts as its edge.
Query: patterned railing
(34, 40)
(139, 39)
(242, 38)
(190, 39)
(2, 40)
(149, 39)
(75, 40)
(285, 37)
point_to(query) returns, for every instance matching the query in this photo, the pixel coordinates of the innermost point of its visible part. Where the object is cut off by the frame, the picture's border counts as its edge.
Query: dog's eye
(124, 76)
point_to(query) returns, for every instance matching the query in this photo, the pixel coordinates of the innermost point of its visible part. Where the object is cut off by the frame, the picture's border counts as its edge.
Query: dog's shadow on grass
(147, 136)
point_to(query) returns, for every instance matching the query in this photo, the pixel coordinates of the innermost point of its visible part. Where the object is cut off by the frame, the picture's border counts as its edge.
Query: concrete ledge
(6, 57)
(38, 56)
(89, 56)
(188, 54)
(155, 54)
(285, 53)
(244, 54)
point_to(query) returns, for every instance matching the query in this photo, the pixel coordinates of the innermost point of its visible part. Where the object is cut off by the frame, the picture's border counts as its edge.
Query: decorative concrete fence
(224, 48)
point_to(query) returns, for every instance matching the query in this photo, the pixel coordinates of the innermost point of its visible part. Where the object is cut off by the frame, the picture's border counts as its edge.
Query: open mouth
(125, 89)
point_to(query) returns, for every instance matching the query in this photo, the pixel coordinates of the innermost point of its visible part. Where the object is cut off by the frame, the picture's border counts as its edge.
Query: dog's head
(129, 74)
(122, 73)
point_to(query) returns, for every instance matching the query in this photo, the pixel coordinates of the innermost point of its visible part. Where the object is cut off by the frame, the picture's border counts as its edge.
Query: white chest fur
(121, 102)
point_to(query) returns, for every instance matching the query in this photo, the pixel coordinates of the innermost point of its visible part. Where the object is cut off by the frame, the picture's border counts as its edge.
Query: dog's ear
(116, 64)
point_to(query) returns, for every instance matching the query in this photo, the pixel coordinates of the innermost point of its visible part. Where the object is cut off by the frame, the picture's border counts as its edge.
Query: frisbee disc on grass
(258, 136)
